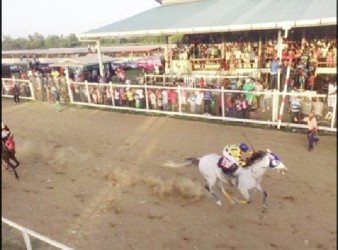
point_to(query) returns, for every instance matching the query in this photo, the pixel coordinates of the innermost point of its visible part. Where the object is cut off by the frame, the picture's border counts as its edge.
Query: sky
(21, 18)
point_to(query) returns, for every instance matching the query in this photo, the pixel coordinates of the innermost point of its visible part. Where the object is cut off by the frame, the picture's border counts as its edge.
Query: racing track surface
(93, 179)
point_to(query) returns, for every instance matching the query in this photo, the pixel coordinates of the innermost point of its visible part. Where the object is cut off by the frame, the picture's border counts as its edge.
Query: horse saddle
(227, 170)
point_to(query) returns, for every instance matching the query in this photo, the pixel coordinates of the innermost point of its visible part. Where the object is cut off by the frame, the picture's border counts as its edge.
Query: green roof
(221, 16)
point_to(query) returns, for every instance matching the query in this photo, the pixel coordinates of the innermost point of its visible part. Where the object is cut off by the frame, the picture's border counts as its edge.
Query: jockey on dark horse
(233, 158)
(7, 139)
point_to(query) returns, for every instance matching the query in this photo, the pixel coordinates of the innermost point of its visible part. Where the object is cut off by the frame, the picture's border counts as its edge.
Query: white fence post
(70, 93)
(112, 94)
(179, 99)
(27, 240)
(146, 95)
(223, 106)
(334, 110)
(26, 232)
(88, 94)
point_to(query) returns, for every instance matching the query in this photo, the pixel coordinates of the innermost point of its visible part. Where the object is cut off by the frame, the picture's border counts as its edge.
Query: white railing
(83, 97)
(84, 89)
(26, 232)
(25, 86)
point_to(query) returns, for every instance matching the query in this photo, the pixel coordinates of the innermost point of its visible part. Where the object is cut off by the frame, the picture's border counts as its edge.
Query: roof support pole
(279, 54)
(166, 53)
(303, 37)
(260, 61)
(171, 58)
(98, 45)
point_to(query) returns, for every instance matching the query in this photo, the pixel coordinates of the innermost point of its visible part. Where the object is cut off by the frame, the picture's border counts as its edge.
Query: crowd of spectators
(244, 52)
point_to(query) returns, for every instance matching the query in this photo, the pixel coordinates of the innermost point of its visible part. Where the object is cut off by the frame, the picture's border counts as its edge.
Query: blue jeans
(311, 138)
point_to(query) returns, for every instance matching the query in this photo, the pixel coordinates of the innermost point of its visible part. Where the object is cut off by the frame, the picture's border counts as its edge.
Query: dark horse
(8, 155)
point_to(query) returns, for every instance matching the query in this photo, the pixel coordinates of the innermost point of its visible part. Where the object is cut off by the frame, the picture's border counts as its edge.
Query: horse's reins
(248, 141)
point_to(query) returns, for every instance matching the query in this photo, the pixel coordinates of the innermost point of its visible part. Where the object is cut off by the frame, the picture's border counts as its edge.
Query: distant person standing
(312, 129)
(16, 92)
(273, 73)
(56, 95)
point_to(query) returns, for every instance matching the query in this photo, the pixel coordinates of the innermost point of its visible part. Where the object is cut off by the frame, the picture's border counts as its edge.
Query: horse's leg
(265, 194)
(16, 161)
(246, 195)
(12, 166)
(209, 188)
(225, 193)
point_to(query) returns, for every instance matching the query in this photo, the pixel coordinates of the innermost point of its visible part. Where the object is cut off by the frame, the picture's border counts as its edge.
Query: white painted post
(68, 85)
(32, 89)
(223, 106)
(112, 93)
(334, 110)
(88, 94)
(98, 44)
(179, 99)
(146, 95)
(27, 240)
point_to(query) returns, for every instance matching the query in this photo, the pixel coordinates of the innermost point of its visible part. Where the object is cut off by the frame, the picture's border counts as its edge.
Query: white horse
(247, 178)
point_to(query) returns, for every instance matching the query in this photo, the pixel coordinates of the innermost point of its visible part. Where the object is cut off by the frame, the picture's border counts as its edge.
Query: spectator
(248, 86)
(258, 88)
(56, 95)
(266, 100)
(199, 101)
(310, 82)
(202, 83)
(16, 92)
(165, 99)
(306, 106)
(173, 100)
(117, 97)
(318, 107)
(152, 98)
(207, 99)
(332, 91)
(130, 98)
(295, 109)
(312, 129)
(273, 74)
(238, 106)
(230, 107)
(192, 102)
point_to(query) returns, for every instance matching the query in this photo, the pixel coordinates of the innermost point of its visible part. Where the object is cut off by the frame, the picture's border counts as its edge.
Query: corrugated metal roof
(135, 48)
(82, 60)
(221, 15)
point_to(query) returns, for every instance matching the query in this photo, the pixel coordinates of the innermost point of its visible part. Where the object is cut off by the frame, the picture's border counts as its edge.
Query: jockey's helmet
(244, 147)
(3, 134)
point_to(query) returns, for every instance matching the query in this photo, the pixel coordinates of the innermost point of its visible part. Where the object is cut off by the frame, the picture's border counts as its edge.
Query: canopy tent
(208, 16)
(82, 61)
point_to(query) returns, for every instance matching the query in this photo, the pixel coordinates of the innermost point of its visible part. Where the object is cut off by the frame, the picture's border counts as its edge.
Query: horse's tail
(186, 163)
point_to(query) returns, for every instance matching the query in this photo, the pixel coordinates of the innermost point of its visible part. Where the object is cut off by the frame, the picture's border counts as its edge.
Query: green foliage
(38, 41)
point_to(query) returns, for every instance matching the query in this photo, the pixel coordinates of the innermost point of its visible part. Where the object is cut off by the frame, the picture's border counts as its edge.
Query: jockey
(5, 132)
(7, 140)
(233, 157)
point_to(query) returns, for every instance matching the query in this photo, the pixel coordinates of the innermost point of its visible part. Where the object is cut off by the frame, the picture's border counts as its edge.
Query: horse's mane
(256, 156)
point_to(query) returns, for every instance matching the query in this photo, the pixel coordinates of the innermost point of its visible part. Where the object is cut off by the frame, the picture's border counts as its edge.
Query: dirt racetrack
(93, 179)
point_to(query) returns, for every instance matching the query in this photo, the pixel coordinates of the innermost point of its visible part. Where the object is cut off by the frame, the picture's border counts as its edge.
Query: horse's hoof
(219, 203)
(265, 208)
(233, 202)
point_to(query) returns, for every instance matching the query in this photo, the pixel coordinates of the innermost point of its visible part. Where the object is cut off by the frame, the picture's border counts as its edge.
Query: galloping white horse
(247, 178)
